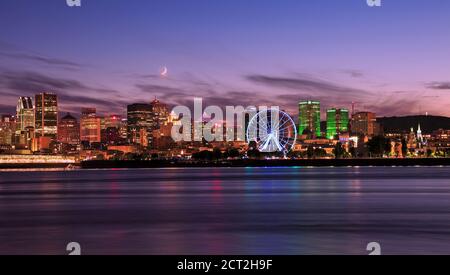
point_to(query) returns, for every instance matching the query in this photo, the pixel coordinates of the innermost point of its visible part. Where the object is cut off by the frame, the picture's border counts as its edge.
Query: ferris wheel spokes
(272, 130)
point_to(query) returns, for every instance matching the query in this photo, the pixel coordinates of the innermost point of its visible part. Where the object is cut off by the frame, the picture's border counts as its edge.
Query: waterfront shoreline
(5, 166)
(98, 164)
(110, 164)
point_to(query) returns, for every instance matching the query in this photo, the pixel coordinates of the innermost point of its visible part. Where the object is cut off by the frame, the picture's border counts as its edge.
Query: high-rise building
(111, 130)
(123, 129)
(7, 129)
(113, 121)
(337, 122)
(309, 118)
(111, 136)
(90, 125)
(69, 130)
(140, 123)
(25, 113)
(46, 115)
(160, 113)
(364, 123)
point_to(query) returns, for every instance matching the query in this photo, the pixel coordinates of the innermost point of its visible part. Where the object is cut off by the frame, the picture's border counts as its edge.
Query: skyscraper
(90, 125)
(113, 121)
(46, 115)
(69, 130)
(140, 123)
(111, 130)
(7, 129)
(364, 123)
(337, 122)
(309, 117)
(25, 113)
(160, 113)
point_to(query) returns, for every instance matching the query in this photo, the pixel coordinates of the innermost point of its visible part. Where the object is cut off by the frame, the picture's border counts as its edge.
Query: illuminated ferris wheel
(273, 131)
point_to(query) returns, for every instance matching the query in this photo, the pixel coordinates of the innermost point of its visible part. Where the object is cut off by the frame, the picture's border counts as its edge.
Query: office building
(160, 113)
(309, 118)
(140, 124)
(90, 126)
(46, 115)
(25, 113)
(7, 129)
(365, 123)
(337, 122)
(69, 130)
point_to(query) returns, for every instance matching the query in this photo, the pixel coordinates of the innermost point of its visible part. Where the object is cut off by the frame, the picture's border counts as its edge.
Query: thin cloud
(305, 84)
(438, 85)
(72, 94)
(354, 73)
(34, 82)
(42, 59)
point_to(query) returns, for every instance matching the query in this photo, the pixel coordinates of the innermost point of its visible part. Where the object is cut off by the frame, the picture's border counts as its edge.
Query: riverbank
(101, 164)
(4, 166)
(36, 161)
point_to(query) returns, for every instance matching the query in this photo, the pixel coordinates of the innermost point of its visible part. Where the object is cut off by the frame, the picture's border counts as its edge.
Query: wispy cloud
(302, 83)
(28, 81)
(354, 73)
(438, 85)
(42, 59)
(15, 52)
(71, 93)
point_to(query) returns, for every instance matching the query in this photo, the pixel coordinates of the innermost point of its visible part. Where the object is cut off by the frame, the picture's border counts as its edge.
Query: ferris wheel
(273, 131)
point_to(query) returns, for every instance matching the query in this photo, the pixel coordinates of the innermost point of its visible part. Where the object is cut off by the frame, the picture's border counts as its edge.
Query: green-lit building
(309, 117)
(337, 122)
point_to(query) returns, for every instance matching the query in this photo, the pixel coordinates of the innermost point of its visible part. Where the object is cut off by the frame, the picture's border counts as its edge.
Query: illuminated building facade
(68, 130)
(419, 134)
(140, 123)
(337, 122)
(90, 126)
(160, 113)
(309, 118)
(46, 115)
(7, 129)
(111, 136)
(113, 121)
(365, 123)
(112, 130)
(25, 113)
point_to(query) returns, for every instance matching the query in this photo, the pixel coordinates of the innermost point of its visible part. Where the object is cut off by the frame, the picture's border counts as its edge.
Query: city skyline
(281, 55)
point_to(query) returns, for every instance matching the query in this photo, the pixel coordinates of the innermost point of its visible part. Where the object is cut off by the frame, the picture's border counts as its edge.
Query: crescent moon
(164, 72)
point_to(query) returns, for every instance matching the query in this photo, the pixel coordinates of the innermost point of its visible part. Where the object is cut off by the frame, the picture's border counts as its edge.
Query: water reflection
(226, 210)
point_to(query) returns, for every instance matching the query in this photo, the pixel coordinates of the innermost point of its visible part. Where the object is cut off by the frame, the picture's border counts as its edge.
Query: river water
(275, 210)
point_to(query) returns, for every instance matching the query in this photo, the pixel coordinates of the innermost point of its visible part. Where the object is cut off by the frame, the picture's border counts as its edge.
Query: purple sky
(393, 60)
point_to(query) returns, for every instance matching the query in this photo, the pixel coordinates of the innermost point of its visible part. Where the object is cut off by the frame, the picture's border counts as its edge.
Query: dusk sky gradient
(392, 60)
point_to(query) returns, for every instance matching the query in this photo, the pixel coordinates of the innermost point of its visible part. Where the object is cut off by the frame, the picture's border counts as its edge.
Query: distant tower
(419, 134)
(412, 140)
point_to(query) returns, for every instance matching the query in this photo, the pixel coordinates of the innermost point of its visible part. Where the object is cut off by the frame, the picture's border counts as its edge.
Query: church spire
(419, 134)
